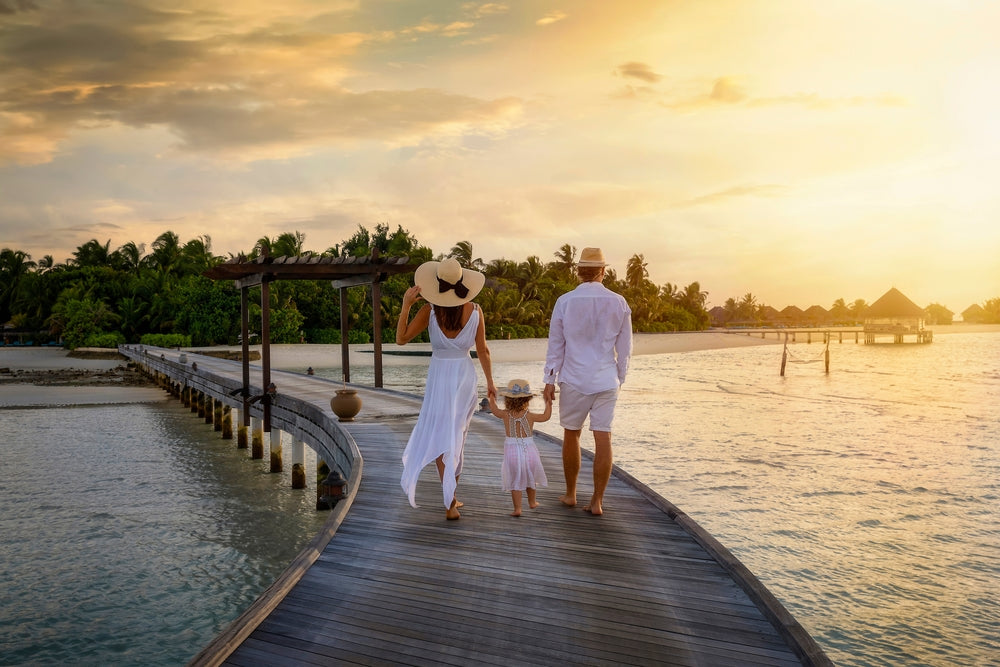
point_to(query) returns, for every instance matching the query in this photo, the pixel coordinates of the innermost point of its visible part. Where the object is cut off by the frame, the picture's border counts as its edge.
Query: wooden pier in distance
(868, 334)
(388, 584)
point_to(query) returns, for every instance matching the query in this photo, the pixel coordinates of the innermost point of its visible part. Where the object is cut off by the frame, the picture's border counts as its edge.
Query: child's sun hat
(517, 389)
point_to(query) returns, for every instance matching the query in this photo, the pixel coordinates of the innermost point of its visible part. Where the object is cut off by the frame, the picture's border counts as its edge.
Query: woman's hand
(410, 297)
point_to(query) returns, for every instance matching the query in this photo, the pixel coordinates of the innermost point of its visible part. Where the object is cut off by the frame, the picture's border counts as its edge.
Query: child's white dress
(522, 466)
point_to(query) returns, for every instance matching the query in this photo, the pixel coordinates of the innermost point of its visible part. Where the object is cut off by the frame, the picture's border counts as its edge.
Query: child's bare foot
(516, 512)
(568, 500)
(533, 504)
(452, 514)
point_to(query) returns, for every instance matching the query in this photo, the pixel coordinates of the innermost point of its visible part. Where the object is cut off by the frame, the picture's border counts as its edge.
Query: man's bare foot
(594, 508)
(452, 514)
(516, 512)
(533, 505)
(568, 500)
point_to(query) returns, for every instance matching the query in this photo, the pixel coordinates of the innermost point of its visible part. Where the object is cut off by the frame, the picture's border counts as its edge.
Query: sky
(800, 151)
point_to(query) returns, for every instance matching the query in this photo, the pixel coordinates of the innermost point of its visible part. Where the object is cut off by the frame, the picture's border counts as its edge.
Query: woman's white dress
(450, 399)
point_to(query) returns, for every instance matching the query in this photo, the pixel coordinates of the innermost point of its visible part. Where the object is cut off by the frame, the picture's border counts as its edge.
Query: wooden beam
(355, 281)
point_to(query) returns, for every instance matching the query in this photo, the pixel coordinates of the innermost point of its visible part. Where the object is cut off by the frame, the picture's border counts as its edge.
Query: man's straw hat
(591, 257)
(446, 283)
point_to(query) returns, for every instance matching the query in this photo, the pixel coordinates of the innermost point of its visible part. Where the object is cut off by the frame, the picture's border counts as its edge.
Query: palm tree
(14, 266)
(858, 309)
(289, 244)
(462, 251)
(166, 253)
(530, 276)
(92, 253)
(128, 257)
(636, 272)
(196, 255)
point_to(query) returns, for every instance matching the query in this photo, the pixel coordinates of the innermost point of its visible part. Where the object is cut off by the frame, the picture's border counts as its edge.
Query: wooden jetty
(388, 584)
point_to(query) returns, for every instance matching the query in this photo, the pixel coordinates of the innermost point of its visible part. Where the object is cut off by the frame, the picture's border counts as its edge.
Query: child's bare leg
(532, 503)
(516, 497)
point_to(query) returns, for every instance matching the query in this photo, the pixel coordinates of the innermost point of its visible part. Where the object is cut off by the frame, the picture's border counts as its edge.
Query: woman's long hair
(449, 318)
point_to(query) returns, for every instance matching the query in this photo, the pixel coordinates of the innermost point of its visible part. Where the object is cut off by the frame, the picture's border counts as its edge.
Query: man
(590, 343)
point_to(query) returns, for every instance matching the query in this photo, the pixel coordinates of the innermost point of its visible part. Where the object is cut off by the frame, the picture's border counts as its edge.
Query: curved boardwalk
(395, 585)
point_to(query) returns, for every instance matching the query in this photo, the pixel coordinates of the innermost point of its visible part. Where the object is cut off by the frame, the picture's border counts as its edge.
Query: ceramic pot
(346, 404)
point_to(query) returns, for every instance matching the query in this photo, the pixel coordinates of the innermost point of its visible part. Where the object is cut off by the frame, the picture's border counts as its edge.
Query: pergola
(342, 272)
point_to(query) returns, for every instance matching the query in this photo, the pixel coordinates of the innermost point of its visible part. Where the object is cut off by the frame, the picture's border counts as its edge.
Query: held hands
(549, 393)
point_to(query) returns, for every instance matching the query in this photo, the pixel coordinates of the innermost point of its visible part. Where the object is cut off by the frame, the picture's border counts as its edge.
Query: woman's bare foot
(459, 503)
(452, 514)
(568, 500)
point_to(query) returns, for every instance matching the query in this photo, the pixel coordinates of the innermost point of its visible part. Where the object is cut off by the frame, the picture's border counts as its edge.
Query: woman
(455, 325)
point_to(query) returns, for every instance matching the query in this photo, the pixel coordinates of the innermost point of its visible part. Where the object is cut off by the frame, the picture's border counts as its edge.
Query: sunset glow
(798, 150)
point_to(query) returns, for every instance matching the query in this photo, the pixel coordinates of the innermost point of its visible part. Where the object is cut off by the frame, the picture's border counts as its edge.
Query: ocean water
(132, 534)
(867, 499)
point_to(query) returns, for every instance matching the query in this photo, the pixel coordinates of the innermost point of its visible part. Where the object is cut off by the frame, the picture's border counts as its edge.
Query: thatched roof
(792, 311)
(893, 304)
(816, 311)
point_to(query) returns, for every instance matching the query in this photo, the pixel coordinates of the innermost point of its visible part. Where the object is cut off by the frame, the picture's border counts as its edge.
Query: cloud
(637, 70)
(262, 93)
(728, 92)
(740, 191)
(552, 17)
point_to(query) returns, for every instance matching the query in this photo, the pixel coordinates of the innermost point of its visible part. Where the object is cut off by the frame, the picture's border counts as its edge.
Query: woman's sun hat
(591, 257)
(446, 283)
(517, 389)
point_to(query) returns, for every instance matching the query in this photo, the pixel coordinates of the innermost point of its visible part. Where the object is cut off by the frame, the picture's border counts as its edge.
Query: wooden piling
(241, 437)
(217, 420)
(227, 423)
(209, 409)
(276, 463)
(257, 444)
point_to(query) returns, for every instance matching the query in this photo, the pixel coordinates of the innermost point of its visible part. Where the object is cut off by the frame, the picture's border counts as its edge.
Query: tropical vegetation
(102, 297)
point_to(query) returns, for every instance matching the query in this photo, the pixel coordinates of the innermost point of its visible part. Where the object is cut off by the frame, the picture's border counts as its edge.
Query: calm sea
(866, 499)
(133, 534)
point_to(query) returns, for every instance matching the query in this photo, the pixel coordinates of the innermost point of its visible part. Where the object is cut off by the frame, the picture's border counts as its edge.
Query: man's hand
(549, 393)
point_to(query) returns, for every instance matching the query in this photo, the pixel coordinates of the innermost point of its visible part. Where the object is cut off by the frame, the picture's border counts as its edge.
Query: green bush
(112, 340)
(323, 336)
(166, 340)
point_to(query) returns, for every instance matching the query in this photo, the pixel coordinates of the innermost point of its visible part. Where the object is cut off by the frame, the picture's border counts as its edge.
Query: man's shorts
(575, 406)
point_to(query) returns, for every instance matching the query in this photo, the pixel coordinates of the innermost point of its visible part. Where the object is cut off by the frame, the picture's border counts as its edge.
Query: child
(522, 467)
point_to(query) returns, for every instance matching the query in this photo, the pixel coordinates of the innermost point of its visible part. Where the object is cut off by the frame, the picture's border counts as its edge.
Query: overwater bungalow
(893, 314)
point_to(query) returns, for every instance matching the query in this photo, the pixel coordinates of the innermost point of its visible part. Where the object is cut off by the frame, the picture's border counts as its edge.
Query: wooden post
(377, 324)
(227, 423)
(265, 347)
(217, 417)
(245, 330)
(784, 358)
(276, 463)
(209, 409)
(345, 361)
(256, 439)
